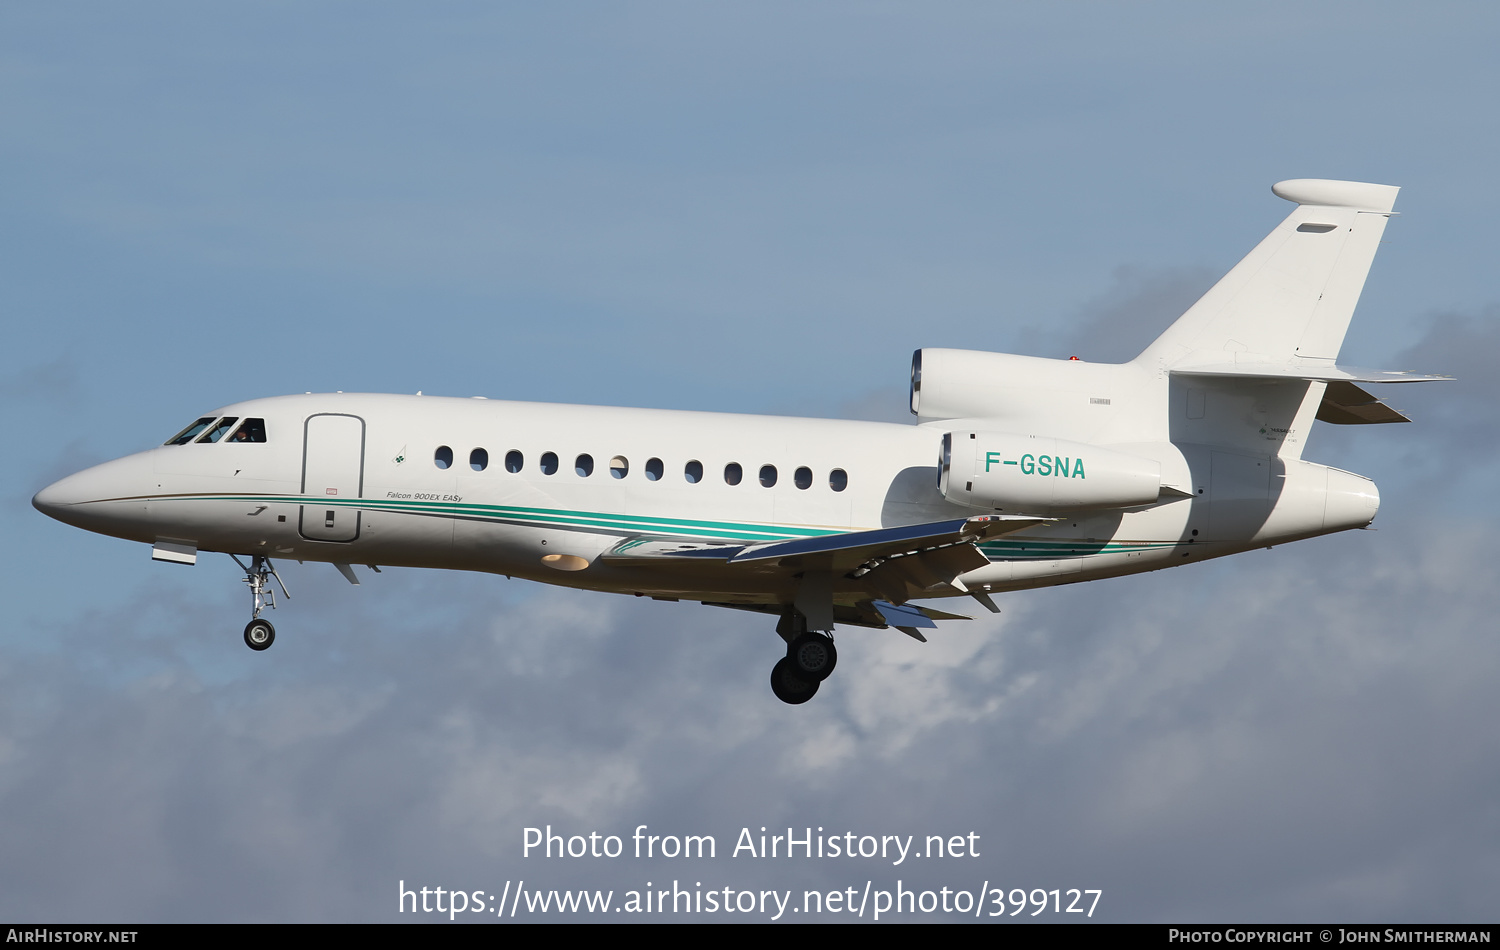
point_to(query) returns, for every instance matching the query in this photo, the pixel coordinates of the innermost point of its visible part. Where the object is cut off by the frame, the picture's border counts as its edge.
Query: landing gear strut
(810, 658)
(259, 634)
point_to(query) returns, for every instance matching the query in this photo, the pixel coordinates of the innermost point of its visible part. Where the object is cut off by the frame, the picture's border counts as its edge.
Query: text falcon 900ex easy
(1020, 472)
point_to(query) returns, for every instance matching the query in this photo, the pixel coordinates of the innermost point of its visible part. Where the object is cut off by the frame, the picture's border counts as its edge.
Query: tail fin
(1291, 298)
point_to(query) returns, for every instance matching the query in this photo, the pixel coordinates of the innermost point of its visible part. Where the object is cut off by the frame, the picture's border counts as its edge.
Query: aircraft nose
(108, 498)
(54, 500)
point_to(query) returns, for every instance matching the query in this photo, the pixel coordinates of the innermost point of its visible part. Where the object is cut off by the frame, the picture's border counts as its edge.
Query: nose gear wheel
(259, 634)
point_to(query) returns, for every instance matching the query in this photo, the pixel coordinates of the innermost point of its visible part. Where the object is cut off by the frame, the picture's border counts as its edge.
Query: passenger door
(333, 462)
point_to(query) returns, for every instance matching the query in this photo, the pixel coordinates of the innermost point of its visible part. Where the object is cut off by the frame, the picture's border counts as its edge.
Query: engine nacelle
(1092, 403)
(1035, 474)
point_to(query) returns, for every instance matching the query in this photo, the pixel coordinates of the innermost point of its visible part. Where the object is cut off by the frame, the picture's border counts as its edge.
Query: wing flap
(851, 549)
(865, 613)
(847, 550)
(921, 573)
(893, 564)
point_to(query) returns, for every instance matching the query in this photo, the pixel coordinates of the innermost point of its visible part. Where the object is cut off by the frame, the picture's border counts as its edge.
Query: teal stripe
(553, 517)
(998, 550)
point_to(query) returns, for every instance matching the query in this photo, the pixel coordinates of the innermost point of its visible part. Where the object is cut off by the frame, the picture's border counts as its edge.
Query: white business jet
(1020, 472)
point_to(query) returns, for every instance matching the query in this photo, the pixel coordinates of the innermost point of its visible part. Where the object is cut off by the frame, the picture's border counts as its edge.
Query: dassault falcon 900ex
(1019, 472)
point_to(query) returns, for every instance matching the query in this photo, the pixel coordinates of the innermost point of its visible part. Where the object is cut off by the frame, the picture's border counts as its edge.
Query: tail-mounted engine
(1008, 472)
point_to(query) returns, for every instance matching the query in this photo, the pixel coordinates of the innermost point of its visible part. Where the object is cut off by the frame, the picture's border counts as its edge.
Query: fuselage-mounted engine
(1035, 474)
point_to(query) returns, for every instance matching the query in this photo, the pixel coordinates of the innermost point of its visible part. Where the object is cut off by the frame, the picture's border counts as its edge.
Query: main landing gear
(810, 658)
(259, 634)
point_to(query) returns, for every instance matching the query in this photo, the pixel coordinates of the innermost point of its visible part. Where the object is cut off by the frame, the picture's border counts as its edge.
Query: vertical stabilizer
(1289, 301)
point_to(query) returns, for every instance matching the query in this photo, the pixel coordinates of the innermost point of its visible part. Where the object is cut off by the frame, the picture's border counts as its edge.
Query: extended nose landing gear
(259, 634)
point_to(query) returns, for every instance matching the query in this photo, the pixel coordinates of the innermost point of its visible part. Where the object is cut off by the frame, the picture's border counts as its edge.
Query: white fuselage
(358, 479)
(1020, 472)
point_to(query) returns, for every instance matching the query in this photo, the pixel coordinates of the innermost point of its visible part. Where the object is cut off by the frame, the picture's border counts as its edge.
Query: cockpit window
(217, 432)
(187, 435)
(254, 430)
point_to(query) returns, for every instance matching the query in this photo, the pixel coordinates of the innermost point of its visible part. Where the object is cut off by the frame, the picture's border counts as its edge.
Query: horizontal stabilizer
(1345, 404)
(1306, 370)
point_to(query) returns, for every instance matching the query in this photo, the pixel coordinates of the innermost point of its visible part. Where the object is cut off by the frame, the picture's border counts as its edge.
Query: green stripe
(997, 550)
(556, 517)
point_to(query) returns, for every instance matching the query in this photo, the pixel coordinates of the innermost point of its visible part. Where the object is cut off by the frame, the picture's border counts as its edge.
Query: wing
(862, 568)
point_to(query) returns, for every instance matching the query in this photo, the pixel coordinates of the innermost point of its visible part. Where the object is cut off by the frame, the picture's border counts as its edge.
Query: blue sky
(761, 209)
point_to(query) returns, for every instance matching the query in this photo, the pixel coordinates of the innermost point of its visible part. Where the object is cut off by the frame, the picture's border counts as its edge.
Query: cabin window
(584, 465)
(191, 432)
(479, 460)
(218, 431)
(733, 473)
(838, 479)
(514, 461)
(254, 430)
(803, 478)
(549, 463)
(654, 470)
(443, 457)
(619, 466)
(693, 472)
(767, 476)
